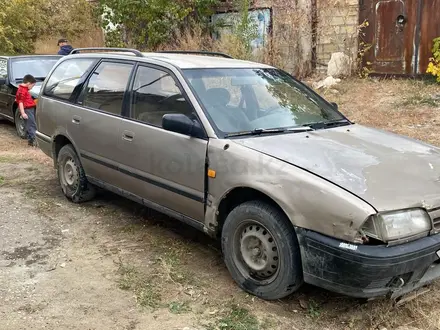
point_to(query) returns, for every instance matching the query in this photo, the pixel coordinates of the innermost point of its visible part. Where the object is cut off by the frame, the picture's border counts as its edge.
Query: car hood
(387, 171)
(35, 92)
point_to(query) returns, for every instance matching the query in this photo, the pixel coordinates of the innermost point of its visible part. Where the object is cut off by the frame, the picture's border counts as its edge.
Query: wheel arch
(59, 141)
(240, 195)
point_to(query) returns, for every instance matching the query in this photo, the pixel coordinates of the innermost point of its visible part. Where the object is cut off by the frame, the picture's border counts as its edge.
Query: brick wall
(292, 30)
(337, 29)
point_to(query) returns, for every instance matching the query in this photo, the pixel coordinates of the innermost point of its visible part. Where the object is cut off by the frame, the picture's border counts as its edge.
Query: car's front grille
(435, 216)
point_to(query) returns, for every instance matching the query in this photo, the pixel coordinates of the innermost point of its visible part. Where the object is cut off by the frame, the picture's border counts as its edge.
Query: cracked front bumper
(364, 271)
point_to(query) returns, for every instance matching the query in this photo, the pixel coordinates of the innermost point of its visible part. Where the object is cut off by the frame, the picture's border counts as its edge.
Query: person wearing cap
(65, 48)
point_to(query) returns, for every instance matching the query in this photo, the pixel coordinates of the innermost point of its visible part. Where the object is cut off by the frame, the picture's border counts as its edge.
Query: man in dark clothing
(65, 48)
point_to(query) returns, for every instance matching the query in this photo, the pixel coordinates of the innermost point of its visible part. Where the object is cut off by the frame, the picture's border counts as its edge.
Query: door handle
(76, 119)
(128, 136)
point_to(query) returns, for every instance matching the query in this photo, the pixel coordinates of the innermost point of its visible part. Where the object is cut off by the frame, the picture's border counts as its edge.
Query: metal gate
(400, 34)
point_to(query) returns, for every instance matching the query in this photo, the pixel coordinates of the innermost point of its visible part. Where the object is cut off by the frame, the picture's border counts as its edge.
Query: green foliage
(23, 21)
(17, 28)
(434, 63)
(238, 319)
(246, 29)
(179, 307)
(149, 23)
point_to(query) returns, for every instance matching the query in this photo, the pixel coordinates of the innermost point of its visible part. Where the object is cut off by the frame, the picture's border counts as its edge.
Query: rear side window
(66, 77)
(106, 87)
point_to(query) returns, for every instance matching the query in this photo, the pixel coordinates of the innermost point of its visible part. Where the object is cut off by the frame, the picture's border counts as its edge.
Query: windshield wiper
(327, 124)
(261, 131)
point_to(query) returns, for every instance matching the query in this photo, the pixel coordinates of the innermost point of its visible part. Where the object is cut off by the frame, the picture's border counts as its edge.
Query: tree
(23, 21)
(149, 23)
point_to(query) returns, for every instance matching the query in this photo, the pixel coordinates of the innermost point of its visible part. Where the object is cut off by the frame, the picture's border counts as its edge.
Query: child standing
(27, 106)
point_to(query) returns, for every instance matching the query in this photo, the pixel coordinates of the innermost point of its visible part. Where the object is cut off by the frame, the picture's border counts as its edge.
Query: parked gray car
(246, 153)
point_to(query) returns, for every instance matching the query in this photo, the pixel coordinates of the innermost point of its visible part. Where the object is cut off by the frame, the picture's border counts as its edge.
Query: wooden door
(400, 34)
(390, 33)
(429, 29)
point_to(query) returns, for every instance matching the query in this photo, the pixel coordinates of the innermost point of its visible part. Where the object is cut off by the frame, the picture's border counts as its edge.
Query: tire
(20, 125)
(72, 177)
(273, 269)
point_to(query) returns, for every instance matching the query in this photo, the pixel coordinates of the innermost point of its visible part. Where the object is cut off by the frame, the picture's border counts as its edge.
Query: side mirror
(182, 124)
(334, 105)
(2, 81)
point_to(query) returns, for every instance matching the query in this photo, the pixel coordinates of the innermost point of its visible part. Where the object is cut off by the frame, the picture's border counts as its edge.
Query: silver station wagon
(248, 154)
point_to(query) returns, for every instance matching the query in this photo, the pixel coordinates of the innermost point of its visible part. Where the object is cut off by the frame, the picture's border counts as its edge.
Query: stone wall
(299, 41)
(337, 30)
(292, 33)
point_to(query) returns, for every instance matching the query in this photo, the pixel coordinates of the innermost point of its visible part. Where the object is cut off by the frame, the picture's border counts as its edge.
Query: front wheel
(261, 251)
(20, 125)
(72, 177)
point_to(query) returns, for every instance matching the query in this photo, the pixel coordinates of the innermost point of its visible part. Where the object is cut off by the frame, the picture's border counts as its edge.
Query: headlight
(397, 225)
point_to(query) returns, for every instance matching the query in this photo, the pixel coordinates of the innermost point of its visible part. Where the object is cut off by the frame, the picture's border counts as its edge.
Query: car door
(94, 123)
(163, 167)
(5, 90)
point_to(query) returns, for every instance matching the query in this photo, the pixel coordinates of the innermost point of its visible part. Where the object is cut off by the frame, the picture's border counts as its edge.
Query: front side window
(248, 100)
(106, 87)
(66, 77)
(155, 93)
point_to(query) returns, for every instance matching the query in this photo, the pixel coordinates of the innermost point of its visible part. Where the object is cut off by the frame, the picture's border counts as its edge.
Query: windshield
(37, 67)
(241, 100)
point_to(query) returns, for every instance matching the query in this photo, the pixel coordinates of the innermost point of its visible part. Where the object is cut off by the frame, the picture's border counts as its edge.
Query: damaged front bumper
(364, 271)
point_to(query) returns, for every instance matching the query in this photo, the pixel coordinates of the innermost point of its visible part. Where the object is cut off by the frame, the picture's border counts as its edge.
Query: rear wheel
(261, 251)
(20, 125)
(72, 177)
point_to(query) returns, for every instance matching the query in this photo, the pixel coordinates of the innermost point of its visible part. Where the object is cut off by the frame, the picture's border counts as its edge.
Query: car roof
(36, 56)
(29, 56)
(191, 61)
(182, 61)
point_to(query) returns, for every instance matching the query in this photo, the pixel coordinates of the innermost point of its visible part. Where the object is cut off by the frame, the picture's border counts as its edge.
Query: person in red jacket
(27, 106)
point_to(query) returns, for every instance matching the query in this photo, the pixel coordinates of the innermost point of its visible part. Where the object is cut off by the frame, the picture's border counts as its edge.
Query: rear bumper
(44, 143)
(368, 271)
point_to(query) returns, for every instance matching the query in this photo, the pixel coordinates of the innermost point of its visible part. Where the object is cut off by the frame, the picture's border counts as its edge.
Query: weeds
(314, 309)
(144, 290)
(30, 191)
(420, 99)
(237, 318)
(8, 159)
(179, 307)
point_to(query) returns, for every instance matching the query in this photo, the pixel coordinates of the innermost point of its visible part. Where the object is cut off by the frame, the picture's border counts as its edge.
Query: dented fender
(309, 201)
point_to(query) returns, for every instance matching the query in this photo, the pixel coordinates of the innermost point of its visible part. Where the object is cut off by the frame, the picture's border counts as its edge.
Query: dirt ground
(112, 264)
